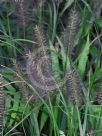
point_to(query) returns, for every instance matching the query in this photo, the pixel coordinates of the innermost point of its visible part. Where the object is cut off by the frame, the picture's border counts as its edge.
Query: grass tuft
(40, 36)
(69, 35)
(22, 12)
(74, 89)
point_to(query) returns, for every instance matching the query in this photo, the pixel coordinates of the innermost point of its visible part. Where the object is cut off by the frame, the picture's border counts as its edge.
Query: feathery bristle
(2, 106)
(69, 35)
(39, 67)
(74, 88)
(40, 74)
(22, 12)
(40, 36)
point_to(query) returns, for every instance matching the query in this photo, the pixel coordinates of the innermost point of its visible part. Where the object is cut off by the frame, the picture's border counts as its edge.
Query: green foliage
(84, 57)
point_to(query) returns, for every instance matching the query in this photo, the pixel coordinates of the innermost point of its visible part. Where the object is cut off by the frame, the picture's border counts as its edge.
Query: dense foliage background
(51, 68)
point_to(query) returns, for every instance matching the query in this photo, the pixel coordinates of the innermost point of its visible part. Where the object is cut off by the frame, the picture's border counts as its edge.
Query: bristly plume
(40, 36)
(39, 65)
(74, 87)
(2, 105)
(22, 12)
(98, 97)
(20, 74)
(69, 35)
(40, 74)
(41, 39)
